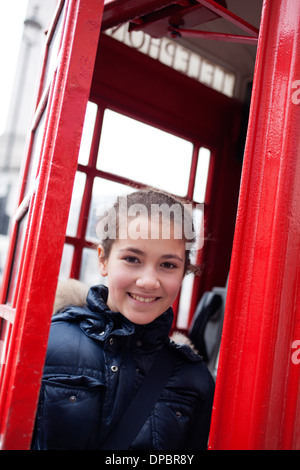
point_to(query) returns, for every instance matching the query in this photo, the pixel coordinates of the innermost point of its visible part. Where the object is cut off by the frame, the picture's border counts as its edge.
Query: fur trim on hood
(181, 338)
(74, 292)
(70, 292)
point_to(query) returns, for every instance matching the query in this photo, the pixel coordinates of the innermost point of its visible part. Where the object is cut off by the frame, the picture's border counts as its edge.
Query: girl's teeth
(142, 299)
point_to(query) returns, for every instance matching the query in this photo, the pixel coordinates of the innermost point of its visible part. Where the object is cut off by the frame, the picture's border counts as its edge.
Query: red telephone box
(262, 311)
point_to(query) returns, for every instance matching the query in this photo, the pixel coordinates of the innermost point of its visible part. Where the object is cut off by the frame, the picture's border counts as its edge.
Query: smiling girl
(100, 353)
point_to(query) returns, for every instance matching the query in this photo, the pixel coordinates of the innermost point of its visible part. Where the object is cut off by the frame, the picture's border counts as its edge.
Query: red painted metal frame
(121, 11)
(231, 17)
(175, 31)
(257, 399)
(44, 243)
(194, 33)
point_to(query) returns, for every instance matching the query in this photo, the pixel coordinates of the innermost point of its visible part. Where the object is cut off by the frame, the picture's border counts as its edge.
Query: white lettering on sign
(178, 58)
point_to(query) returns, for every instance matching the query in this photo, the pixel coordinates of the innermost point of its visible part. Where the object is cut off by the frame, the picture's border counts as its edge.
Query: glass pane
(198, 217)
(185, 301)
(4, 243)
(66, 262)
(52, 59)
(36, 150)
(77, 194)
(201, 175)
(104, 194)
(188, 281)
(89, 270)
(18, 254)
(87, 133)
(144, 154)
(5, 332)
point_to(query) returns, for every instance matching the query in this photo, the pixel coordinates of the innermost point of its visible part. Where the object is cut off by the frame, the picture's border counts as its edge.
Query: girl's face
(144, 276)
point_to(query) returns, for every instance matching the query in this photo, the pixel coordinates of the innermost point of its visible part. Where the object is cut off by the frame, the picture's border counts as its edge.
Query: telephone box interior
(190, 90)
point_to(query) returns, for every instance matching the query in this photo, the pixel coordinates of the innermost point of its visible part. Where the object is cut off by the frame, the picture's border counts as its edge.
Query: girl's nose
(148, 280)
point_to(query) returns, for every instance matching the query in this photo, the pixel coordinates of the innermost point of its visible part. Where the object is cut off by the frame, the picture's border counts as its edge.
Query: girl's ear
(102, 261)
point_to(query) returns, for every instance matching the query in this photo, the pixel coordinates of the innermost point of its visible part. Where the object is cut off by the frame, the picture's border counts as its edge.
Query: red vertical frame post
(50, 204)
(257, 399)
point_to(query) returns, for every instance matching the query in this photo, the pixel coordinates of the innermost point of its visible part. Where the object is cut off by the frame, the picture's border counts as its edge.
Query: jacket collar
(99, 322)
(148, 335)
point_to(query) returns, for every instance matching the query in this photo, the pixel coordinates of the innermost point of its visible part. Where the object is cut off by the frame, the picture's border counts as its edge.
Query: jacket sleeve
(198, 438)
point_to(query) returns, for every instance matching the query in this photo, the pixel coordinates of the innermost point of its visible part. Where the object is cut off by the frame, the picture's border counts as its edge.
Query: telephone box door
(38, 231)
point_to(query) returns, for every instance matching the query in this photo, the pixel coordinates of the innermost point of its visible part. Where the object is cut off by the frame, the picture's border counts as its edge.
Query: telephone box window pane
(185, 300)
(89, 271)
(188, 281)
(142, 153)
(4, 241)
(87, 133)
(66, 262)
(36, 150)
(104, 195)
(22, 229)
(52, 59)
(201, 175)
(5, 332)
(77, 194)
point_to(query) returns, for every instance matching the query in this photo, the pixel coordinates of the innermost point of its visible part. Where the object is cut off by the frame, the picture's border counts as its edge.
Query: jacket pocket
(173, 421)
(69, 413)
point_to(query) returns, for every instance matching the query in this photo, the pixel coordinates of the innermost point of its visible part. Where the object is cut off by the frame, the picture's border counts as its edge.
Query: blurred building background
(23, 97)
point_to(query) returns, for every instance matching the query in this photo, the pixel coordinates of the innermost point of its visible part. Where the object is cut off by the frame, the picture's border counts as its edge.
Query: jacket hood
(74, 301)
(98, 321)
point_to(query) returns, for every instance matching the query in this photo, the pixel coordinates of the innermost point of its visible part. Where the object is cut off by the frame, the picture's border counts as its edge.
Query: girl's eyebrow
(171, 255)
(134, 250)
(141, 253)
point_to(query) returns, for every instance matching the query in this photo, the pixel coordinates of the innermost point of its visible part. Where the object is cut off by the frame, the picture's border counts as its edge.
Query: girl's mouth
(142, 299)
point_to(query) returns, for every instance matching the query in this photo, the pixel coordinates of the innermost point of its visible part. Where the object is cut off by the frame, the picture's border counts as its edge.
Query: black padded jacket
(96, 360)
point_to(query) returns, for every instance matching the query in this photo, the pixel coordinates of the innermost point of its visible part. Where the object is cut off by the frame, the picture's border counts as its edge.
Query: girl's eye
(131, 259)
(168, 265)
